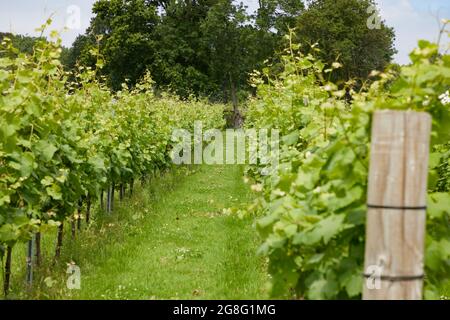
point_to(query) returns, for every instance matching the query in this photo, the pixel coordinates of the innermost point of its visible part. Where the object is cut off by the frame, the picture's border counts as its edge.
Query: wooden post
(7, 271)
(108, 200)
(30, 262)
(73, 226)
(80, 207)
(59, 241)
(38, 249)
(113, 188)
(397, 192)
(122, 191)
(88, 208)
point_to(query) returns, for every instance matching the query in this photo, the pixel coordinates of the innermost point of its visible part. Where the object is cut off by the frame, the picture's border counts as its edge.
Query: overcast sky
(411, 19)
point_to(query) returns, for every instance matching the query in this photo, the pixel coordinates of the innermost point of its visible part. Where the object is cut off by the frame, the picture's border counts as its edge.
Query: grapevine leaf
(46, 149)
(54, 191)
(438, 204)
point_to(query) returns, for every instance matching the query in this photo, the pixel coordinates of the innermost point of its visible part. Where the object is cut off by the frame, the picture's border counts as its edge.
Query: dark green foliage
(181, 63)
(80, 52)
(209, 47)
(341, 30)
(125, 28)
(200, 48)
(22, 43)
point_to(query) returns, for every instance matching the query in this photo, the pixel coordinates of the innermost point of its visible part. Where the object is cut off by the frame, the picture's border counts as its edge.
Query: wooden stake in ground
(31, 244)
(111, 206)
(396, 205)
(38, 249)
(88, 208)
(108, 200)
(6, 281)
(59, 241)
(73, 226)
(122, 191)
(80, 207)
(101, 200)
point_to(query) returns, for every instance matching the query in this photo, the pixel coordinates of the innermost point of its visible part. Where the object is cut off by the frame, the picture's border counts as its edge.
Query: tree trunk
(237, 117)
(225, 91)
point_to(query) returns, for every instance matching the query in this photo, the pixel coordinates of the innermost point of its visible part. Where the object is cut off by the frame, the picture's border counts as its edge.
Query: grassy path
(172, 240)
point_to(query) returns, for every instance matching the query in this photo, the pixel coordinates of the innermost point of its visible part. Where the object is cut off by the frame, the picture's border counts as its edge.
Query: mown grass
(170, 240)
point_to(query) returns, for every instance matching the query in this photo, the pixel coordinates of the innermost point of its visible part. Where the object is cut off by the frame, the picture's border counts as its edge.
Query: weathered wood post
(29, 260)
(397, 190)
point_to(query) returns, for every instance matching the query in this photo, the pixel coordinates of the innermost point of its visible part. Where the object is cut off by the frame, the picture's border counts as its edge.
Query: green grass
(171, 240)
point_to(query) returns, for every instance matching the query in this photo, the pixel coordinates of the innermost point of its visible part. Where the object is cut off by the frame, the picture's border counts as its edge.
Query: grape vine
(314, 205)
(63, 142)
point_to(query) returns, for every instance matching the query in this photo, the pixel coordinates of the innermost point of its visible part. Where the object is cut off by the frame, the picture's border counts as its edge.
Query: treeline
(208, 47)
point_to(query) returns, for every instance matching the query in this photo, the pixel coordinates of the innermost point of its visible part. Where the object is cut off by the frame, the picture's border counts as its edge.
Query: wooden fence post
(397, 190)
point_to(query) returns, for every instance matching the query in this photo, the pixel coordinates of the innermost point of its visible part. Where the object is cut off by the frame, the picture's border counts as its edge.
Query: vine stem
(38, 249)
(88, 208)
(59, 241)
(7, 271)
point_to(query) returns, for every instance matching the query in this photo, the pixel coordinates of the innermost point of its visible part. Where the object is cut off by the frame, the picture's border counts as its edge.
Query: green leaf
(47, 181)
(291, 138)
(25, 163)
(354, 285)
(317, 290)
(54, 191)
(8, 232)
(49, 282)
(98, 163)
(435, 159)
(3, 75)
(438, 204)
(46, 149)
(437, 255)
(4, 199)
(327, 228)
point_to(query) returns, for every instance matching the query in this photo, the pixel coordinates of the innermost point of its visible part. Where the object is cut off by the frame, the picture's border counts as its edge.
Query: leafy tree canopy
(341, 29)
(209, 47)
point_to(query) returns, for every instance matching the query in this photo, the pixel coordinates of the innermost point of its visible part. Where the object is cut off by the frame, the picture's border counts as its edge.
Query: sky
(411, 19)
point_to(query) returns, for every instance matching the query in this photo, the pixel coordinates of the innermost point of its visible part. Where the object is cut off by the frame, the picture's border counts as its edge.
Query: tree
(229, 40)
(79, 52)
(279, 15)
(25, 44)
(126, 27)
(181, 62)
(340, 27)
(191, 47)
